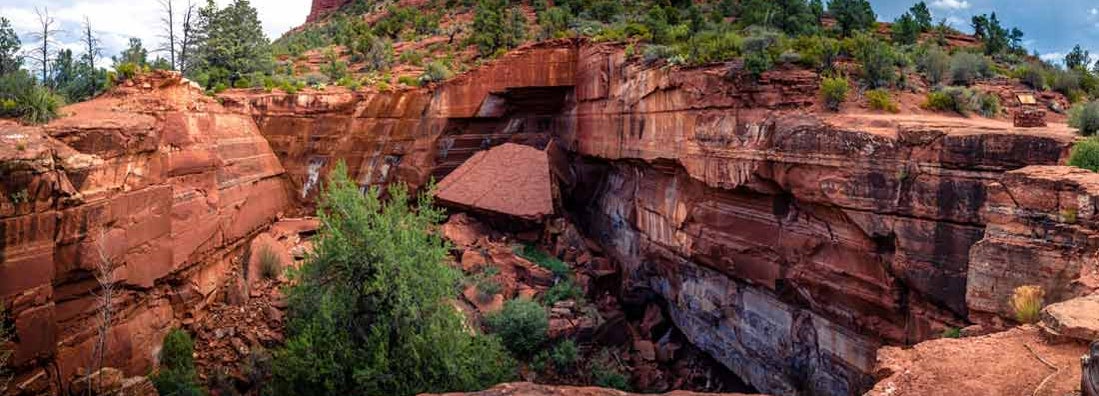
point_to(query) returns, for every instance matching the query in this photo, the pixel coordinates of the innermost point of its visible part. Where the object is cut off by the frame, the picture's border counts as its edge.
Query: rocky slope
(152, 188)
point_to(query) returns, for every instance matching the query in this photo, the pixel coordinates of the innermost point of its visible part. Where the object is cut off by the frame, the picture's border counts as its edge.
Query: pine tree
(235, 45)
(906, 30)
(852, 15)
(922, 15)
(135, 53)
(10, 60)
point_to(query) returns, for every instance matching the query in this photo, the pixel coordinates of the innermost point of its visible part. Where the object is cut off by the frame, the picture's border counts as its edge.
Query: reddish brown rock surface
(154, 177)
(509, 179)
(321, 8)
(1008, 363)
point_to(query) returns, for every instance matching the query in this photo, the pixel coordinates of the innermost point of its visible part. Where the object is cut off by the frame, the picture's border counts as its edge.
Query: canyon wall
(788, 245)
(321, 8)
(151, 188)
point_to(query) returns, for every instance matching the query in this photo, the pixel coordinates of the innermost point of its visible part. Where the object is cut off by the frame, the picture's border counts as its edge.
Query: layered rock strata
(789, 246)
(151, 189)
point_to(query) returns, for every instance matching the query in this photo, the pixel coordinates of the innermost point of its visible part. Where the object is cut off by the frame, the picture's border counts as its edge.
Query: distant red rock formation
(324, 7)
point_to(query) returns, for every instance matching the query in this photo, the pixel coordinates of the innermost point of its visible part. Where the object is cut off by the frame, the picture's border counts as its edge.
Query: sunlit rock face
(156, 180)
(321, 8)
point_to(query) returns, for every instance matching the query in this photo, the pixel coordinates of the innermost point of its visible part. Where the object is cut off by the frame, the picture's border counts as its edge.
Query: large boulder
(509, 179)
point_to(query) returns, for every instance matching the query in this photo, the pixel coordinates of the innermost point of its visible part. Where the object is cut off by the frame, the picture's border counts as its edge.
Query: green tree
(496, 27)
(64, 70)
(922, 15)
(234, 44)
(852, 15)
(795, 17)
(1078, 58)
(994, 36)
(370, 311)
(522, 326)
(177, 375)
(10, 60)
(135, 53)
(905, 29)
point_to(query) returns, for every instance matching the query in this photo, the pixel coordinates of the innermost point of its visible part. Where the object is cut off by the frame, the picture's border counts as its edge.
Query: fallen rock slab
(509, 179)
(1077, 318)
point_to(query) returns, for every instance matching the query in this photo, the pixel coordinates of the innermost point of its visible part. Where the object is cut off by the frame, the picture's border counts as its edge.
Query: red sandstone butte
(510, 179)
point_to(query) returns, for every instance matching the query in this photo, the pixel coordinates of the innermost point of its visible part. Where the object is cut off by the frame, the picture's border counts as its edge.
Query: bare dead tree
(169, 34)
(104, 275)
(187, 40)
(44, 38)
(92, 49)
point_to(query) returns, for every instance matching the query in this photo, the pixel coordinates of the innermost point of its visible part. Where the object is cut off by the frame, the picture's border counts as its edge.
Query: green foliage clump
(1085, 154)
(935, 64)
(375, 52)
(564, 356)
(177, 375)
(409, 81)
(564, 289)
(436, 71)
(606, 372)
(522, 326)
(713, 46)
(963, 101)
(906, 30)
(877, 58)
(22, 97)
(880, 99)
(952, 332)
(497, 27)
(1085, 117)
(555, 22)
(965, 67)
(544, 260)
(834, 91)
(852, 15)
(369, 311)
(232, 45)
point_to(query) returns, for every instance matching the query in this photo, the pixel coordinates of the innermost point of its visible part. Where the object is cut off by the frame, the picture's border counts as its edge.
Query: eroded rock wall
(153, 185)
(789, 245)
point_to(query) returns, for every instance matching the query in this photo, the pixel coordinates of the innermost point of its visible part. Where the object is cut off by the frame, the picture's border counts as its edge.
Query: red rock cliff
(321, 8)
(155, 179)
(788, 245)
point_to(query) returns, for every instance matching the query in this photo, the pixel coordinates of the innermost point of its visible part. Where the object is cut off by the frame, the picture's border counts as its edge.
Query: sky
(1052, 27)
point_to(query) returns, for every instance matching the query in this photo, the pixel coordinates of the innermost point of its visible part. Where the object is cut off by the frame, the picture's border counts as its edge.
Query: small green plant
(952, 332)
(607, 372)
(522, 326)
(486, 284)
(989, 105)
(1026, 301)
(177, 375)
(409, 81)
(880, 99)
(939, 100)
(544, 260)
(834, 92)
(436, 71)
(269, 262)
(965, 67)
(1085, 117)
(564, 356)
(1085, 154)
(1069, 215)
(20, 197)
(564, 289)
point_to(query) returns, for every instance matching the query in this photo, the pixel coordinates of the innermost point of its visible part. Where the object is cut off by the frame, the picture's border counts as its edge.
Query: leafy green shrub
(1085, 117)
(377, 53)
(712, 46)
(607, 372)
(989, 105)
(877, 59)
(369, 311)
(412, 57)
(409, 81)
(269, 263)
(436, 71)
(177, 375)
(966, 67)
(834, 92)
(497, 26)
(1085, 154)
(880, 99)
(939, 100)
(564, 355)
(522, 326)
(952, 332)
(564, 289)
(757, 63)
(544, 260)
(127, 70)
(555, 22)
(1031, 75)
(654, 53)
(24, 98)
(934, 63)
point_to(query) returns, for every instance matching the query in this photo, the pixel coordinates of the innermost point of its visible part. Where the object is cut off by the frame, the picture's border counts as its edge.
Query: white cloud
(1054, 57)
(1094, 11)
(950, 4)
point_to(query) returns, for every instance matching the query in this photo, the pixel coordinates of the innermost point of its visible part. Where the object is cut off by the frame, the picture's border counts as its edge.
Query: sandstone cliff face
(154, 179)
(788, 246)
(321, 8)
